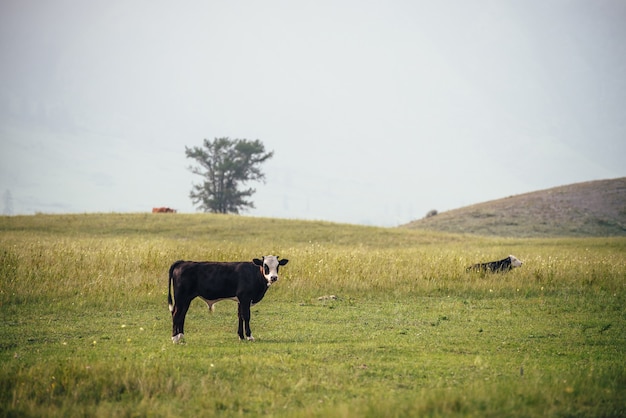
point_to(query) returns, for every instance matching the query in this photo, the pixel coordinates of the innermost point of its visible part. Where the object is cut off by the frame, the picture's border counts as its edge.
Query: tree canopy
(225, 165)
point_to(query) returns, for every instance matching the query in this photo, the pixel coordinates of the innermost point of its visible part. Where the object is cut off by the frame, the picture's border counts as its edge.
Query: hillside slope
(595, 208)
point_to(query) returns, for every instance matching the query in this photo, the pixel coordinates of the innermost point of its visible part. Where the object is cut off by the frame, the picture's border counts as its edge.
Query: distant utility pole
(8, 203)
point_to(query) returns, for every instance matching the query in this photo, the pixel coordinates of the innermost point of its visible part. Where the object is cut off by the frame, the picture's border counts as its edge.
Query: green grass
(86, 329)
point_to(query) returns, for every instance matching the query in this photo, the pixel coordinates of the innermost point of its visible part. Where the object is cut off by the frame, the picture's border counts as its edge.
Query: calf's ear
(257, 261)
(283, 262)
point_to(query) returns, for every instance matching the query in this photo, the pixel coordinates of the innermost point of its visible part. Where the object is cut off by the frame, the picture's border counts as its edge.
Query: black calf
(244, 282)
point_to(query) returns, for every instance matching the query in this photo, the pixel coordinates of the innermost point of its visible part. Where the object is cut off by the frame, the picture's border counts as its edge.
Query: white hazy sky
(377, 111)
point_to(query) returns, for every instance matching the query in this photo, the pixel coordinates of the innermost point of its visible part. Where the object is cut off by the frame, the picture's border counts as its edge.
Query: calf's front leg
(244, 321)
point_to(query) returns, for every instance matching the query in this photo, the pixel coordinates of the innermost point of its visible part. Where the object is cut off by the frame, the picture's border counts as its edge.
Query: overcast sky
(377, 111)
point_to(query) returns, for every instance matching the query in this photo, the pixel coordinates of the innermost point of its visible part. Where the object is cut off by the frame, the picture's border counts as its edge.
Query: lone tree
(225, 164)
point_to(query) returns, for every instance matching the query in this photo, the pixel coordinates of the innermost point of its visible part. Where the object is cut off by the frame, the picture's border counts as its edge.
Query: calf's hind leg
(178, 321)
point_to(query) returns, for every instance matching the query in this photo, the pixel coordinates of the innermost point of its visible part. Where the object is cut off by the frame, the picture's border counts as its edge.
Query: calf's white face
(269, 267)
(515, 262)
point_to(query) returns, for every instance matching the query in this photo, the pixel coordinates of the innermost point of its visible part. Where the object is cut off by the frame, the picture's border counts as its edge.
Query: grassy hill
(595, 208)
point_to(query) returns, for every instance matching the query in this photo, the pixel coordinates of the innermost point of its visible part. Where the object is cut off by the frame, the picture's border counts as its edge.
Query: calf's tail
(169, 285)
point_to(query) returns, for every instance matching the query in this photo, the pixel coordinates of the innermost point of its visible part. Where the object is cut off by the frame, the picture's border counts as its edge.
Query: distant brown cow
(163, 210)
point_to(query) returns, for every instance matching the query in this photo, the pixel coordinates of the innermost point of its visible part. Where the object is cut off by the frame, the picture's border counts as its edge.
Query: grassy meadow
(86, 328)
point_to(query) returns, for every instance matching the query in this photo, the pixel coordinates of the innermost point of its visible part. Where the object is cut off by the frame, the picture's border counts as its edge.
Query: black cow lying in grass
(503, 265)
